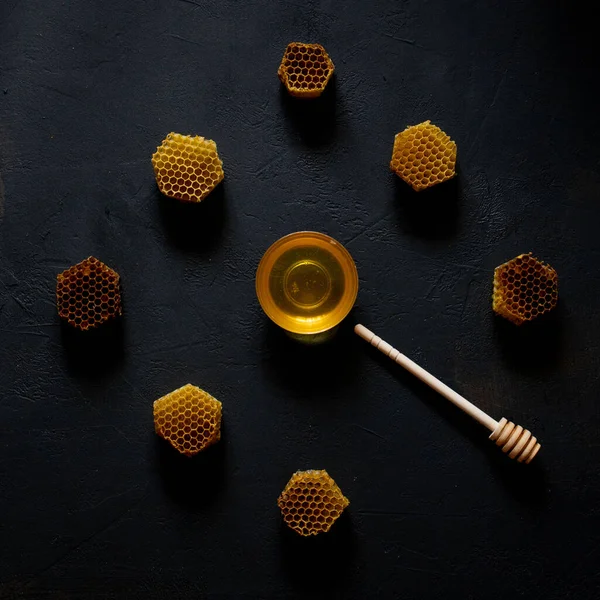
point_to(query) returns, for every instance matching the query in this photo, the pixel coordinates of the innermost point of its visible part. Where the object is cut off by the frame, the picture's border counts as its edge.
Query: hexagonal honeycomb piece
(189, 419)
(524, 288)
(187, 168)
(311, 502)
(423, 156)
(88, 294)
(305, 69)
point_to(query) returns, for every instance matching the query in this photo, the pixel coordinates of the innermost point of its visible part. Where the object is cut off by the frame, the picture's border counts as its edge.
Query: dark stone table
(93, 505)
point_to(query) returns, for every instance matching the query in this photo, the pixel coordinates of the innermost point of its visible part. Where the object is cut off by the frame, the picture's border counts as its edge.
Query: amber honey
(88, 294)
(305, 69)
(423, 156)
(311, 502)
(306, 283)
(524, 288)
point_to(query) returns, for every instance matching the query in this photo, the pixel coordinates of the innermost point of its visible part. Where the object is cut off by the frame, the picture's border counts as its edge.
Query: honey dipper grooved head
(524, 288)
(88, 294)
(515, 441)
(305, 69)
(423, 156)
(311, 502)
(187, 168)
(189, 419)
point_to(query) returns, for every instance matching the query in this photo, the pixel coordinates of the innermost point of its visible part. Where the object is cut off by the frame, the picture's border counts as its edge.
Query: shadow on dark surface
(196, 482)
(526, 483)
(431, 214)
(96, 352)
(313, 119)
(323, 562)
(313, 368)
(194, 226)
(535, 347)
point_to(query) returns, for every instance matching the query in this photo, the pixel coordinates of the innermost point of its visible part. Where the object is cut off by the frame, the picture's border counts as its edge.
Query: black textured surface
(92, 504)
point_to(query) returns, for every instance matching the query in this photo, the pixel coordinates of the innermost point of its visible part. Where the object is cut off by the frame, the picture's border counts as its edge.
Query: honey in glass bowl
(306, 283)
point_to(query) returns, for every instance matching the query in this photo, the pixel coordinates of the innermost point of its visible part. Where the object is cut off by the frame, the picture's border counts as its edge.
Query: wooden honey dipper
(517, 442)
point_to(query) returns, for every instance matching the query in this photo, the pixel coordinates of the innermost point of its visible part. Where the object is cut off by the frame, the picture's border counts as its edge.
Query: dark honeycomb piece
(423, 156)
(305, 69)
(189, 419)
(524, 288)
(187, 168)
(88, 294)
(311, 502)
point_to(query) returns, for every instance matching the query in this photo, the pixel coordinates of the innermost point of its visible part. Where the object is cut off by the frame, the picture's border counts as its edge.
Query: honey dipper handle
(428, 378)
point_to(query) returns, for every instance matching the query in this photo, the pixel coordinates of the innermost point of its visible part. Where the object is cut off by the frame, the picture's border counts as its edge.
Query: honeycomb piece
(524, 288)
(187, 167)
(305, 69)
(88, 294)
(189, 418)
(423, 156)
(311, 502)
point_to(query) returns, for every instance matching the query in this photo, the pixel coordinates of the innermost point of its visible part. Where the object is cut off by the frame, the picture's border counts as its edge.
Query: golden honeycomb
(423, 156)
(311, 502)
(88, 294)
(187, 168)
(524, 288)
(189, 418)
(305, 69)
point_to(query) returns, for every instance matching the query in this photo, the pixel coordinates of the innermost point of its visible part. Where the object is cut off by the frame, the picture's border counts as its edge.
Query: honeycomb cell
(187, 168)
(524, 288)
(189, 419)
(305, 69)
(423, 156)
(88, 294)
(311, 502)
